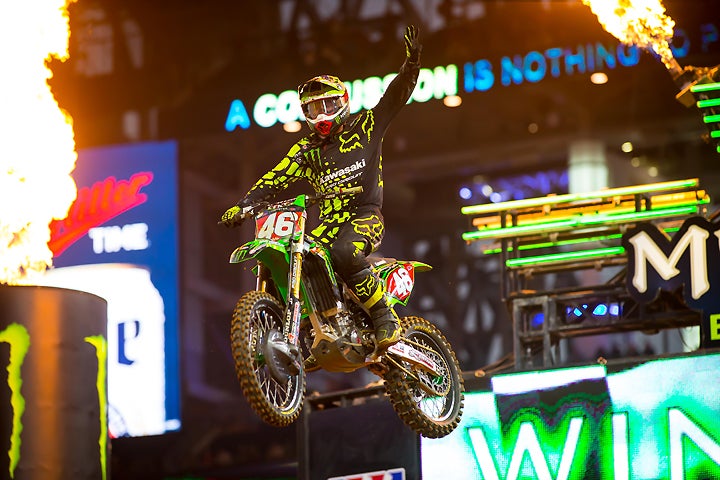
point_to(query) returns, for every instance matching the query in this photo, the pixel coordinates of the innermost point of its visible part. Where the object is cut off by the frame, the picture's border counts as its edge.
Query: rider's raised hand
(412, 44)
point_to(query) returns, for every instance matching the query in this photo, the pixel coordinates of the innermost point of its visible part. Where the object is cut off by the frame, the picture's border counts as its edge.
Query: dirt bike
(300, 305)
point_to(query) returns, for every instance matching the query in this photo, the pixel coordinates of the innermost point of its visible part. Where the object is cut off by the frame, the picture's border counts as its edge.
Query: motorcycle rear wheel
(278, 404)
(430, 415)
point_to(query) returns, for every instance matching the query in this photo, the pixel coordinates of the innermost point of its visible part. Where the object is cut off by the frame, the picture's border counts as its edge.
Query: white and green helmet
(324, 102)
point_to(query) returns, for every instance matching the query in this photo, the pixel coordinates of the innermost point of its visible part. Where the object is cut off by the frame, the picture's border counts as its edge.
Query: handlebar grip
(238, 218)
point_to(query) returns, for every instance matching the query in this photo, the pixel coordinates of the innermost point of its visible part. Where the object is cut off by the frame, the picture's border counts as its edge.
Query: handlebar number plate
(275, 225)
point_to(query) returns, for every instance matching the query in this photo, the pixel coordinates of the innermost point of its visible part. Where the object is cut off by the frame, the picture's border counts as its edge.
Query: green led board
(655, 420)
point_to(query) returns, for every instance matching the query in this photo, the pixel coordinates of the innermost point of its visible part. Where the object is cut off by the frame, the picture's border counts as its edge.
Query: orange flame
(638, 22)
(37, 146)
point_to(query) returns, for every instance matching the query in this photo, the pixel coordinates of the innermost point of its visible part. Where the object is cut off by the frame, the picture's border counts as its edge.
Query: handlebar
(251, 210)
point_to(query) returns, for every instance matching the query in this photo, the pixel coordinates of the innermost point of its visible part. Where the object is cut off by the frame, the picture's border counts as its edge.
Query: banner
(689, 261)
(655, 420)
(120, 242)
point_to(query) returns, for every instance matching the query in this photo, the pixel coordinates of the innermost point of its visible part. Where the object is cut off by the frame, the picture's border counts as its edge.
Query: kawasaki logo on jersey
(340, 174)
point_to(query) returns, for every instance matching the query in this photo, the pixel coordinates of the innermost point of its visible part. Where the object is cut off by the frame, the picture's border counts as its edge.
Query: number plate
(400, 282)
(275, 225)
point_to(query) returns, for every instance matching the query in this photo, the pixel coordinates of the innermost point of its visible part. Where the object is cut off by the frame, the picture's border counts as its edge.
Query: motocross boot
(387, 329)
(369, 290)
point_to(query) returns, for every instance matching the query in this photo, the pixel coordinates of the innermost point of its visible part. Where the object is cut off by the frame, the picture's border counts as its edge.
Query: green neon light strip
(559, 257)
(574, 241)
(573, 197)
(100, 344)
(19, 340)
(712, 102)
(615, 211)
(715, 134)
(711, 118)
(705, 87)
(579, 221)
(535, 246)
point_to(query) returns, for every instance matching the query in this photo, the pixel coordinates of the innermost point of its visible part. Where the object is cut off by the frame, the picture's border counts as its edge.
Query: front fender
(274, 255)
(259, 249)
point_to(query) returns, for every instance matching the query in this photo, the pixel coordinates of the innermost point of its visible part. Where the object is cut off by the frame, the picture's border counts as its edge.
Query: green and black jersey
(350, 158)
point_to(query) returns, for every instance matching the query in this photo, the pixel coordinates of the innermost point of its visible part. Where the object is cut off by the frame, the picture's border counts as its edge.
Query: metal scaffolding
(580, 232)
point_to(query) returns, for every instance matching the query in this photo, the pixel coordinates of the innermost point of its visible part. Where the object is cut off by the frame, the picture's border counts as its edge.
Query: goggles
(327, 107)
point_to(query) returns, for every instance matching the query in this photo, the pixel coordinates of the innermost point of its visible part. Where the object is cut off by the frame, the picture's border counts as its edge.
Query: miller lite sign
(690, 260)
(119, 241)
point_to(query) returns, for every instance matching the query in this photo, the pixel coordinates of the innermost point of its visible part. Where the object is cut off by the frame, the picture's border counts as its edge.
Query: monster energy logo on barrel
(18, 338)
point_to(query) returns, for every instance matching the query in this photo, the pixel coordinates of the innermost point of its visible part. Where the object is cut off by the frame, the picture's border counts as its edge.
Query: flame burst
(37, 146)
(638, 22)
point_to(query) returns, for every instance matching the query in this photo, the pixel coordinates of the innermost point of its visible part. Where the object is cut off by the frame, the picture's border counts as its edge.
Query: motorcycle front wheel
(431, 405)
(258, 319)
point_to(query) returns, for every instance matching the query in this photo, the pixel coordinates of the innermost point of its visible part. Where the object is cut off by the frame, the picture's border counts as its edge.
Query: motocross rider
(340, 153)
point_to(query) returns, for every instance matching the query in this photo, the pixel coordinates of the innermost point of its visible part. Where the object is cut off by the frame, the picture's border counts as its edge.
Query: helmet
(324, 102)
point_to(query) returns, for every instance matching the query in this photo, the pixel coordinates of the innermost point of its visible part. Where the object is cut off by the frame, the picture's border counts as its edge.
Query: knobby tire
(277, 404)
(410, 402)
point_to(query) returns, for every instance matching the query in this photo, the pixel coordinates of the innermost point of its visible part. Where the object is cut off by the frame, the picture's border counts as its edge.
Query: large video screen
(120, 242)
(655, 420)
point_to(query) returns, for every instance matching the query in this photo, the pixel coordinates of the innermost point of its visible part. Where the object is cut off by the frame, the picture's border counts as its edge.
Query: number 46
(278, 224)
(403, 282)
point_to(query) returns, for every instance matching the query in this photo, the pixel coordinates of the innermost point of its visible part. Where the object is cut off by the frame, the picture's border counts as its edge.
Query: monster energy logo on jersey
(340, 174)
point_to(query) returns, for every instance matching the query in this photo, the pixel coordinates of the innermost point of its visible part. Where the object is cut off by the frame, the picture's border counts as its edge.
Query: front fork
(281, 348)
(263, 278)
(293, 311)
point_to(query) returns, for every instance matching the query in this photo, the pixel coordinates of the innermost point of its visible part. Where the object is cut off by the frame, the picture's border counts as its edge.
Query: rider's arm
(401, 87)
(287, 171)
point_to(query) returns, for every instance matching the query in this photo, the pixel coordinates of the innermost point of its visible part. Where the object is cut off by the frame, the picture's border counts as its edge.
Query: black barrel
(53, 384)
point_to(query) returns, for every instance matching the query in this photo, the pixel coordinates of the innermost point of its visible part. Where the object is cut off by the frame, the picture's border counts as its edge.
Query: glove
(412, 44)
(228, 217)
